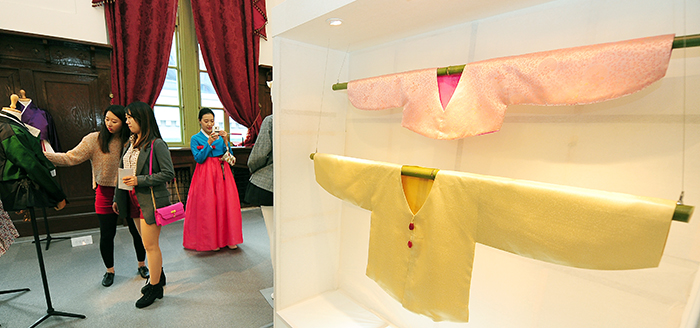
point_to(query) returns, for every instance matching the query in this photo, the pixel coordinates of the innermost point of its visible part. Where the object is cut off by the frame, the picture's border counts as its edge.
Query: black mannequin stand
(48, 232)
(49, 311)
(14, 291)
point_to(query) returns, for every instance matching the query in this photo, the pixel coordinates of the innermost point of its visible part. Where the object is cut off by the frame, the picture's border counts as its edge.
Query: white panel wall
(307, 116)
(70, 19)
(633, 145)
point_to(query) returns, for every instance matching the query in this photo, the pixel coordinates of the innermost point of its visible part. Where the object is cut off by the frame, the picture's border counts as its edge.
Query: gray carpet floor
(204, 289)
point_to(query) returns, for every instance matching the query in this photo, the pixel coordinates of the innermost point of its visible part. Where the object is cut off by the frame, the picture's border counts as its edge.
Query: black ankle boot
(161, 282)
(152, 293)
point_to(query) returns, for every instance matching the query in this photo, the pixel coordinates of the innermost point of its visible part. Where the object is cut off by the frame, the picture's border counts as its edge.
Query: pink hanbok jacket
(571, 76)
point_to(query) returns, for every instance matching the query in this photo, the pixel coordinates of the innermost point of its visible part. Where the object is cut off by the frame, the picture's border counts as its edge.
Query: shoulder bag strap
(150, 172)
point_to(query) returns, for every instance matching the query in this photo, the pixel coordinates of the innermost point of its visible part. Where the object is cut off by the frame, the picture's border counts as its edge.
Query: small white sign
(81, 241)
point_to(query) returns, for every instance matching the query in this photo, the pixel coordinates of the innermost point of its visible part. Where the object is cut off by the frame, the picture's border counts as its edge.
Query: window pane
(169, 95)
(169, 123)
(173, 53)
(202, 66)
(218, 118)
(209, 97)
(238, 132)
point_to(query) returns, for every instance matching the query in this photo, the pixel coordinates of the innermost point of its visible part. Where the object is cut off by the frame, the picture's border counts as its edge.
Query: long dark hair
(143, 114)
(104, 137)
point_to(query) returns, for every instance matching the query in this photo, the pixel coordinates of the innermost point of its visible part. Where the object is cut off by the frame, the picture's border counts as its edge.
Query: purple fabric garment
(42, 120)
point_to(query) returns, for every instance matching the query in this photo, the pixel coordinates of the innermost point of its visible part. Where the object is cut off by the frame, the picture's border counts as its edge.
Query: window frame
(188, 71)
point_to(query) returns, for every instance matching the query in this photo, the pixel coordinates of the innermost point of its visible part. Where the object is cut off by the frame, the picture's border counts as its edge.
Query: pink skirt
(213, 210)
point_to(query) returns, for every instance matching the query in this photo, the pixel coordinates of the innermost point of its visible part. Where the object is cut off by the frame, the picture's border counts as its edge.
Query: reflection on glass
(169, 123)
(173, 54)
(238, 132)
(209, 97)
(169, 94)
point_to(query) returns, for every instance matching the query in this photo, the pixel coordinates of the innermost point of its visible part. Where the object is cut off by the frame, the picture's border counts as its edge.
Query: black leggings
(108, 229)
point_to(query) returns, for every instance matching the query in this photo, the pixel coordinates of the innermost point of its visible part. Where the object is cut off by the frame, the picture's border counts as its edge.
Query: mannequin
(23, 98)
(19, 143)
(39, 119)
(18, 114)
(13, 107)
(21, 191)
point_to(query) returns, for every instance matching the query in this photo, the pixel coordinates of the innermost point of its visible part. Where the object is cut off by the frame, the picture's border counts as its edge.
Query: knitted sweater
(104, 166)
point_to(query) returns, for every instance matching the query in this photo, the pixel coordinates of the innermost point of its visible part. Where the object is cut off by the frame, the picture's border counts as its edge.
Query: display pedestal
(331, 309)
(49, 308)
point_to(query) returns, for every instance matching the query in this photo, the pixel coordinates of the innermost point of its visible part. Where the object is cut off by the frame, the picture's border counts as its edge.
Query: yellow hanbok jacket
(423, 232)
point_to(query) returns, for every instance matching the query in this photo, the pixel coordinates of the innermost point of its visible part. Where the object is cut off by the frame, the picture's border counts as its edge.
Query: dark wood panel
(71, 81)
(264, 92)
(68, 100)
(22, 48)
(240, 171)
(9, 80)
(71, 55)
(183, 159)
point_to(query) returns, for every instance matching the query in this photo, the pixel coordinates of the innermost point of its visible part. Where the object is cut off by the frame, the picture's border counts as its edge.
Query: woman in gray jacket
(138, 202)
(259, 191)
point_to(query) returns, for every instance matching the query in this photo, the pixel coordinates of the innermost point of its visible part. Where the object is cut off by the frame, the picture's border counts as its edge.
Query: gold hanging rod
(682, 213)
(686, 41)
(411, 170)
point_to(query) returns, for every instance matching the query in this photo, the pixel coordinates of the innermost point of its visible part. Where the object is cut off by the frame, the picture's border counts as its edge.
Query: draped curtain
(141, 33)
(229, 34)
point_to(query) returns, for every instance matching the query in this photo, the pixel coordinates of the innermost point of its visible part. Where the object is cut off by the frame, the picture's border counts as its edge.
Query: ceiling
(368, 23)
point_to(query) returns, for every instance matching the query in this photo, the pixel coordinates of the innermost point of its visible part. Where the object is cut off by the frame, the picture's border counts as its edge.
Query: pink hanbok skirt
(213, 210)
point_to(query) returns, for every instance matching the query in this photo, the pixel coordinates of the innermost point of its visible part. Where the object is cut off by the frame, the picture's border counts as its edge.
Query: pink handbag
(171, 213)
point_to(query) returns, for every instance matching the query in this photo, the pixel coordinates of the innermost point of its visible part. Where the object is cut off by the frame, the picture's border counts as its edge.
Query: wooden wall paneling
(184, 164)
(240, 170)
(264, 91)
(72, 100)
(9, 80)
(67, 98)
(71, 81)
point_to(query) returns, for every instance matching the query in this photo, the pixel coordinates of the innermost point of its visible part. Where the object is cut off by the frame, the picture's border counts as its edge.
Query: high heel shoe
(152, 293)
(148, 282)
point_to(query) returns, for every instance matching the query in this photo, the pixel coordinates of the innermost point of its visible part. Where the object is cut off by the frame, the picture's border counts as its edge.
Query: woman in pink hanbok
(213, 210)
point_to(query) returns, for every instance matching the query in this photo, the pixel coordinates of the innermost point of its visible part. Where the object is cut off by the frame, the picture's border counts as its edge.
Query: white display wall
(645, 144)
(307, 218)
(70, 19)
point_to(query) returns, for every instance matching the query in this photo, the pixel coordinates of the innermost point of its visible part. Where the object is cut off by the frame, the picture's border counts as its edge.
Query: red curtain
(229, 36)
(141, 33)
